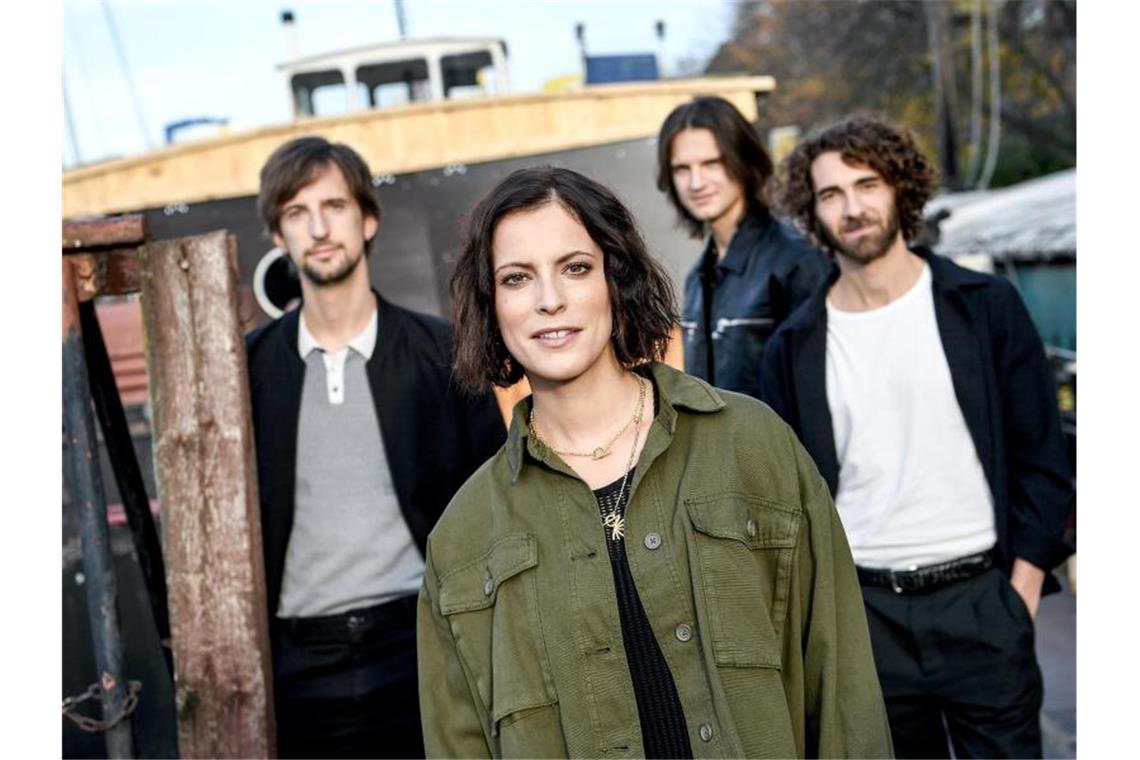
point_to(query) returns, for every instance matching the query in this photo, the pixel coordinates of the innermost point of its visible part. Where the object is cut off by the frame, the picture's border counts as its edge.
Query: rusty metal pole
(207, 485)
(91, 509)
(125, 465)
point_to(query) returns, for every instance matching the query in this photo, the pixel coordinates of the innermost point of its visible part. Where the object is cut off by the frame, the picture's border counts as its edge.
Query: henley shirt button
(488, 587)
(683, 632)
(652, 540)
(751, 528)
(706, 732)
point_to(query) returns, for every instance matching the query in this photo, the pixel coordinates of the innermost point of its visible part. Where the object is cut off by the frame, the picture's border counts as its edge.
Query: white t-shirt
(912, 491)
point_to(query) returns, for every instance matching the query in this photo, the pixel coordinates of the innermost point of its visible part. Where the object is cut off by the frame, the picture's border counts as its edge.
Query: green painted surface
(1050, 294)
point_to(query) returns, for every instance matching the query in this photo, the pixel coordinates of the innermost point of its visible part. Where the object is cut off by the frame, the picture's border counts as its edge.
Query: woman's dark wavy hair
(641, 293)
(888, 149)
(745, 159)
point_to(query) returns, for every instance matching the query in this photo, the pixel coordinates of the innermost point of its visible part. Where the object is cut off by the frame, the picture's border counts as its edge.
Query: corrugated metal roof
(1033, 220)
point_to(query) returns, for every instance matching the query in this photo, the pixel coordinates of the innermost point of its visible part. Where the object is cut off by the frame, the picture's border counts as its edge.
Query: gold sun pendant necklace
(615, 520)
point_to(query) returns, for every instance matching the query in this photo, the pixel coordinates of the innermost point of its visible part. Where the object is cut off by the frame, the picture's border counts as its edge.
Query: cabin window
(330, 100)
(468, 74)
(319, 93)
(394, 83)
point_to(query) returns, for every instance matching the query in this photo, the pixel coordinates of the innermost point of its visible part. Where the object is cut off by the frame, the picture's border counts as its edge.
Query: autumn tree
(831, 59)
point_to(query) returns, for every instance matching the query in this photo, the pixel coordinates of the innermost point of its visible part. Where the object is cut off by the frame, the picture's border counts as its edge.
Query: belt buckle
(356, 625)
(895, 586)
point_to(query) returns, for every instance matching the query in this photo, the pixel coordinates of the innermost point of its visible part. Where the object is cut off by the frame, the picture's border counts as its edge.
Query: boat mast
(77, 159)
(401, 20)
(118, 45)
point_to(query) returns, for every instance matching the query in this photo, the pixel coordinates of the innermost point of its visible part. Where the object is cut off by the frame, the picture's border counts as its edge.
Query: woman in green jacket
(649, 567)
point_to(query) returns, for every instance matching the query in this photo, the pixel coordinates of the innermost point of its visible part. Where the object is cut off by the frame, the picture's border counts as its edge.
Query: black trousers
(346, 685)
(958, 661)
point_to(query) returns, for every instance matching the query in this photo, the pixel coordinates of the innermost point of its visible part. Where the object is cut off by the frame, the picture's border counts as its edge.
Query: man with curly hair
(754, 271)
(922, 391)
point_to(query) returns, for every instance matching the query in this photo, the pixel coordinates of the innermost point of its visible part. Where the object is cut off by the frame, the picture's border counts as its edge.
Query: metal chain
(90, 724)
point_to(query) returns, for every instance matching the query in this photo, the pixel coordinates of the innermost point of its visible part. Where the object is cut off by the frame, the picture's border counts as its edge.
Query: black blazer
(1003, 385)
(434, 436)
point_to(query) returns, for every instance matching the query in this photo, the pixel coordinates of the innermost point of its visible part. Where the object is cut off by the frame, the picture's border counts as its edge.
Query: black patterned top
(663, 730)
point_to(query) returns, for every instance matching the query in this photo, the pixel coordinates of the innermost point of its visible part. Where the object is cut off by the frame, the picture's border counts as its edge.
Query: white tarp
(1033, 220)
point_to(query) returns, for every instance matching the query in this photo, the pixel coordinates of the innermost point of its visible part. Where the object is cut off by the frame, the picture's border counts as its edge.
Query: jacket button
(488, 587)
(706, 732)
(751, 528)
(683, 632)
(652, 540)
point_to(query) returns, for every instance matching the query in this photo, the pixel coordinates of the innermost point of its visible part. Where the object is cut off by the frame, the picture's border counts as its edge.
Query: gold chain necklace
(600, 452)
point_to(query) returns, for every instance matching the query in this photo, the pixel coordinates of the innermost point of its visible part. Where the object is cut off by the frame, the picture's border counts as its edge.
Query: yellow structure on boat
(400, 139)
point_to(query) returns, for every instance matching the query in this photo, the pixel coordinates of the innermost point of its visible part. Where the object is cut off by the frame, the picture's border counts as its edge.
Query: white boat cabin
(396, 73)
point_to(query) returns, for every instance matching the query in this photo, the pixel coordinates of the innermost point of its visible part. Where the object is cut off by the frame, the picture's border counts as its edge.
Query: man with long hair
(753, 271)
(362, 438)
(922, 392)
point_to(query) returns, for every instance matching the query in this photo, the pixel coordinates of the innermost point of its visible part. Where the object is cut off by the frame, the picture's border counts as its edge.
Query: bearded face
(866, 237)
(324, 229)
(855, 208)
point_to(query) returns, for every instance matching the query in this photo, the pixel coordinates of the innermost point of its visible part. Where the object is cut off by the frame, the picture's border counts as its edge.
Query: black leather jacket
(768, 271)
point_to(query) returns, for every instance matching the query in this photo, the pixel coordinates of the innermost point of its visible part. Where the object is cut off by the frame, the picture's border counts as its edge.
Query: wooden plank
(113, 272)
(118, 231)
(207, 485)
(410, 138)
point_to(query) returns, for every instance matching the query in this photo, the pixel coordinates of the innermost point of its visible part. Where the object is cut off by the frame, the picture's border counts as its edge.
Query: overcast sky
(217, 58)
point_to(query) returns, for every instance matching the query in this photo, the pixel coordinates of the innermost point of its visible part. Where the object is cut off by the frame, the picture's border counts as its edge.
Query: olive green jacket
(740, 562)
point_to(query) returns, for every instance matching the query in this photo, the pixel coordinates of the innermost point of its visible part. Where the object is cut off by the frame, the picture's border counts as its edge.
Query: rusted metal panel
(125, 466)
(100, 232)
(207, 485)
(87, 496)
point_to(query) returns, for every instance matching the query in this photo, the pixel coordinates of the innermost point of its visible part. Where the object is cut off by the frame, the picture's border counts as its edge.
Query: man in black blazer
(362, 439)
(922, 392)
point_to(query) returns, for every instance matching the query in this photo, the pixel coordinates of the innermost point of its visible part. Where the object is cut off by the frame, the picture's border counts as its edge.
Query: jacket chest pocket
(743, 552)
(491, 604)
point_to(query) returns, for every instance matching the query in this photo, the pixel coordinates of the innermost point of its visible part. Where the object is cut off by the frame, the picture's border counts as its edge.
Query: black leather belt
(354, 625)
(929, 577)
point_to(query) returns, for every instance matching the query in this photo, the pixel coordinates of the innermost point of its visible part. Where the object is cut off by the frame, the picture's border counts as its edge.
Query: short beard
(338, 275)
(869, 247)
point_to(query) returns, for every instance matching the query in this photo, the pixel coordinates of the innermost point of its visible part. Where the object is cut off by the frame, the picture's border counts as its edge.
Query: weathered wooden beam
(207, 485)
(103, 231)
(104, 252)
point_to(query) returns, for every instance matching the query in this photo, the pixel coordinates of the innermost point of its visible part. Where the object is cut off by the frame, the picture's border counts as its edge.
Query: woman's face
(551, 299)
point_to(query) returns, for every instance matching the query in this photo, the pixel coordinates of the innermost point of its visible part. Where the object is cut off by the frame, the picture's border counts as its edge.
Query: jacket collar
(381, 318)
(755, 225)
(676, 392)
(946, 276)
(362, 343)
